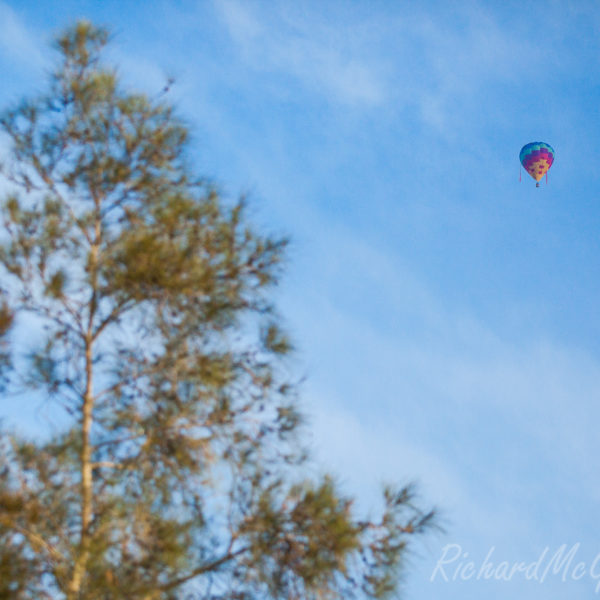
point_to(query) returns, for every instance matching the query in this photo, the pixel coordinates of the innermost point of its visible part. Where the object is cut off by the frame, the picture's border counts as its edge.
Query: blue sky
(446, 314)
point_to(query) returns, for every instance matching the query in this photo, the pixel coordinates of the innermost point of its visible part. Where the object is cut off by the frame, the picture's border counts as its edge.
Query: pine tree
(180, 469)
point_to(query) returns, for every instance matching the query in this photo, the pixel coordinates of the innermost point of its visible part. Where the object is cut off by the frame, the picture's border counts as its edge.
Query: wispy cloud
(315, 53)
(488, 422)
(18, 42)
(460, 58)
(436, 63)
(140, 73)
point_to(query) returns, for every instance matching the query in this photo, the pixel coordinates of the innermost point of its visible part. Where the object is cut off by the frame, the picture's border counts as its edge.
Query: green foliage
(179, 465)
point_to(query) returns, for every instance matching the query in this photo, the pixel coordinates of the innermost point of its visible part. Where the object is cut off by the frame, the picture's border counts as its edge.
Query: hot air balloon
(537, 158)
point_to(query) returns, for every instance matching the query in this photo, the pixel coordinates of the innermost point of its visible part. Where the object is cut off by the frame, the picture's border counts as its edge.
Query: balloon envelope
(537, 158)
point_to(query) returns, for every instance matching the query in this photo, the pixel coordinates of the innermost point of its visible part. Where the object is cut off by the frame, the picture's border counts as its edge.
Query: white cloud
(435, 63)
(315, 53)
(243, 25)
(18, 42)
(499, 430)
(140, 73)
(463, 54)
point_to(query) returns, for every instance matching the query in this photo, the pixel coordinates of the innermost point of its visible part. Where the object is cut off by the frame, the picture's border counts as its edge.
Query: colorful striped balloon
(537, 158)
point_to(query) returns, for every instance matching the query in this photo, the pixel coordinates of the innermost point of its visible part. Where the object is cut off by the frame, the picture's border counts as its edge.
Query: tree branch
(202, 569)
(34, 538)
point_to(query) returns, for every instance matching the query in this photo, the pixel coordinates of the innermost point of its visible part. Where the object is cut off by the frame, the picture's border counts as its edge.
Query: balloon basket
(537, 184)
